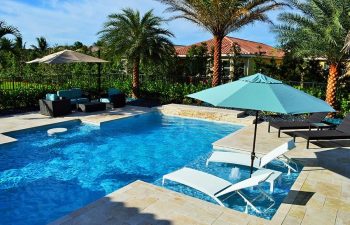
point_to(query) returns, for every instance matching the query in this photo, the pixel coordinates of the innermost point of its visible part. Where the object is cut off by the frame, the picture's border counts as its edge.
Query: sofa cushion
(105, 100)
(76, 92)
(66, 94)
(113, 91)
(51, 97)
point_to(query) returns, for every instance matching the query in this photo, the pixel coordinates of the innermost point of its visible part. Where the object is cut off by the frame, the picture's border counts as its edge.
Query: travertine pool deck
(320, 195)
(31, 120)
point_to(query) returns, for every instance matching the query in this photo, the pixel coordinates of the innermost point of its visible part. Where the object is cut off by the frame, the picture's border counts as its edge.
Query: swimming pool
(45, 177)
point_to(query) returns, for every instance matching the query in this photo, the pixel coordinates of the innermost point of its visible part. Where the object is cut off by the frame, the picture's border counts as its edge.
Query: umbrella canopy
(262, 93)
(67, 56)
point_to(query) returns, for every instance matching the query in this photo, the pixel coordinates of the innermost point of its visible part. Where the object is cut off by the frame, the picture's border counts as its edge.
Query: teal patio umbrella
(262, 93)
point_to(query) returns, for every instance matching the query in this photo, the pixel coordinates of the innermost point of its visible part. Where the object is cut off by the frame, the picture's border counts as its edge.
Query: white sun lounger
(215, 187)
(244, 159)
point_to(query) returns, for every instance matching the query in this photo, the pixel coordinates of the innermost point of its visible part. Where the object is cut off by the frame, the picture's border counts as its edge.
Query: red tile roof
(247, 47)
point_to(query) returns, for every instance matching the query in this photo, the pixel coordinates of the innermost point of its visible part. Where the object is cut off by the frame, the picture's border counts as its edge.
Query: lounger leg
(307, 144)
(163, 181)
(272, 186)
(218, 201)
(269, 128)
(248, 202)
(279, 132)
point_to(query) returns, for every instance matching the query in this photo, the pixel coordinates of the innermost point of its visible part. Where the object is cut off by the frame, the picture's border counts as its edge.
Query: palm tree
(42, 45)
(5, 43)
(221, 17)
(318, 30)
(346, 47)
(140, 39)
(6, 29)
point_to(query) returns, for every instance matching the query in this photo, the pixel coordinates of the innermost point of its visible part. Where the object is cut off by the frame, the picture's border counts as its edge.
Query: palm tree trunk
(136, 78)
(217, 60)
(332, 84)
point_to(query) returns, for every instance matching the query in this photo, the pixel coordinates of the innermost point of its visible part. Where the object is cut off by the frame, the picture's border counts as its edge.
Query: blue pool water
(45, 177)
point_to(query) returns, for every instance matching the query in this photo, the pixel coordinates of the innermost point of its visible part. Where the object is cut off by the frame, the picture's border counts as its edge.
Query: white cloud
(64, 22)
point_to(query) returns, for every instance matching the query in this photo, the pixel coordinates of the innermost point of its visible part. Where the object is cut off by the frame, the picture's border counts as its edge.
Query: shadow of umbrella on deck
(262, 93)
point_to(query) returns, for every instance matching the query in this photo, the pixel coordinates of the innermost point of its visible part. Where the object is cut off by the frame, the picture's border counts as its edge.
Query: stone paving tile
(30, 120)
(208, 113)
(343, 217)
(319, 216)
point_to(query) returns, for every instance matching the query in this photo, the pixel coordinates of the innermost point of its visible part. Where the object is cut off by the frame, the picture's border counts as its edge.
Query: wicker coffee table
(91, 106)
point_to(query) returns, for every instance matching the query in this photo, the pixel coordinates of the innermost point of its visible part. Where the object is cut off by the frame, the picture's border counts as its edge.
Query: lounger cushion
(345, 125)
(290, 125)
(322, 134)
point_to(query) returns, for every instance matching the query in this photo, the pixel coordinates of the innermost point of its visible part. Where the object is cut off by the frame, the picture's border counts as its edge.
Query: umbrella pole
(99, 74)
(254, 141)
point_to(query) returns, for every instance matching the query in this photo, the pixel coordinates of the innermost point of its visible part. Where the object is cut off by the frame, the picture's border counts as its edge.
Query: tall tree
(6, 29)
(138, 38)
(5, 43)
(42, 45)
(346, 47)
(318, 30)
(221, 17)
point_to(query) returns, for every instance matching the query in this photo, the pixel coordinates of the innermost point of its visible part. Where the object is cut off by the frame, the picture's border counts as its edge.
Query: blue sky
(67, 21)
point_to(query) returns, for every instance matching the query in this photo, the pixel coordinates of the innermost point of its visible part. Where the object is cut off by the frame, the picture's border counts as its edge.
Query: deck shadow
(107, 211)
(298, 197)
(336, 160)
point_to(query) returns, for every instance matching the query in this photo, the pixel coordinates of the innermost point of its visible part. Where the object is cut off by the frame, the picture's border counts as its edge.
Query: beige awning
(67, 56)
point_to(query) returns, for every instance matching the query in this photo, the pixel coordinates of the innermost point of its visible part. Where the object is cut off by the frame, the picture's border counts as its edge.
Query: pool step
(6, 139)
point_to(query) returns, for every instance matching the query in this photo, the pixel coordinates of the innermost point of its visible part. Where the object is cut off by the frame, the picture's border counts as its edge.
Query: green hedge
(21, 98)
(159, 90)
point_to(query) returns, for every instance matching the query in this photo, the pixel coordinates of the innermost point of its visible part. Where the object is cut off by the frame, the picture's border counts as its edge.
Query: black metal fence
(90, 81)
(86, 81)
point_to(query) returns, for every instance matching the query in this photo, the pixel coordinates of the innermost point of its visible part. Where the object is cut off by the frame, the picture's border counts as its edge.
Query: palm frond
(318, 28)
(222, 17)
(137, 37)
(7, 29)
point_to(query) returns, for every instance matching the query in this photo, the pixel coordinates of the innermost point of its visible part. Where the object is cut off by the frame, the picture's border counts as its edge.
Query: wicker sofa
(75, 95)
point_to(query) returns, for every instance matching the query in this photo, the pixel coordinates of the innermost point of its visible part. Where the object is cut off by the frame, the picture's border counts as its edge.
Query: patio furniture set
(324, 130)
(65, 101)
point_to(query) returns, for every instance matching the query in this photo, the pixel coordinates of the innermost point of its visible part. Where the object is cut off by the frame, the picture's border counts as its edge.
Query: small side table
(321, 126)
(91, 106)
